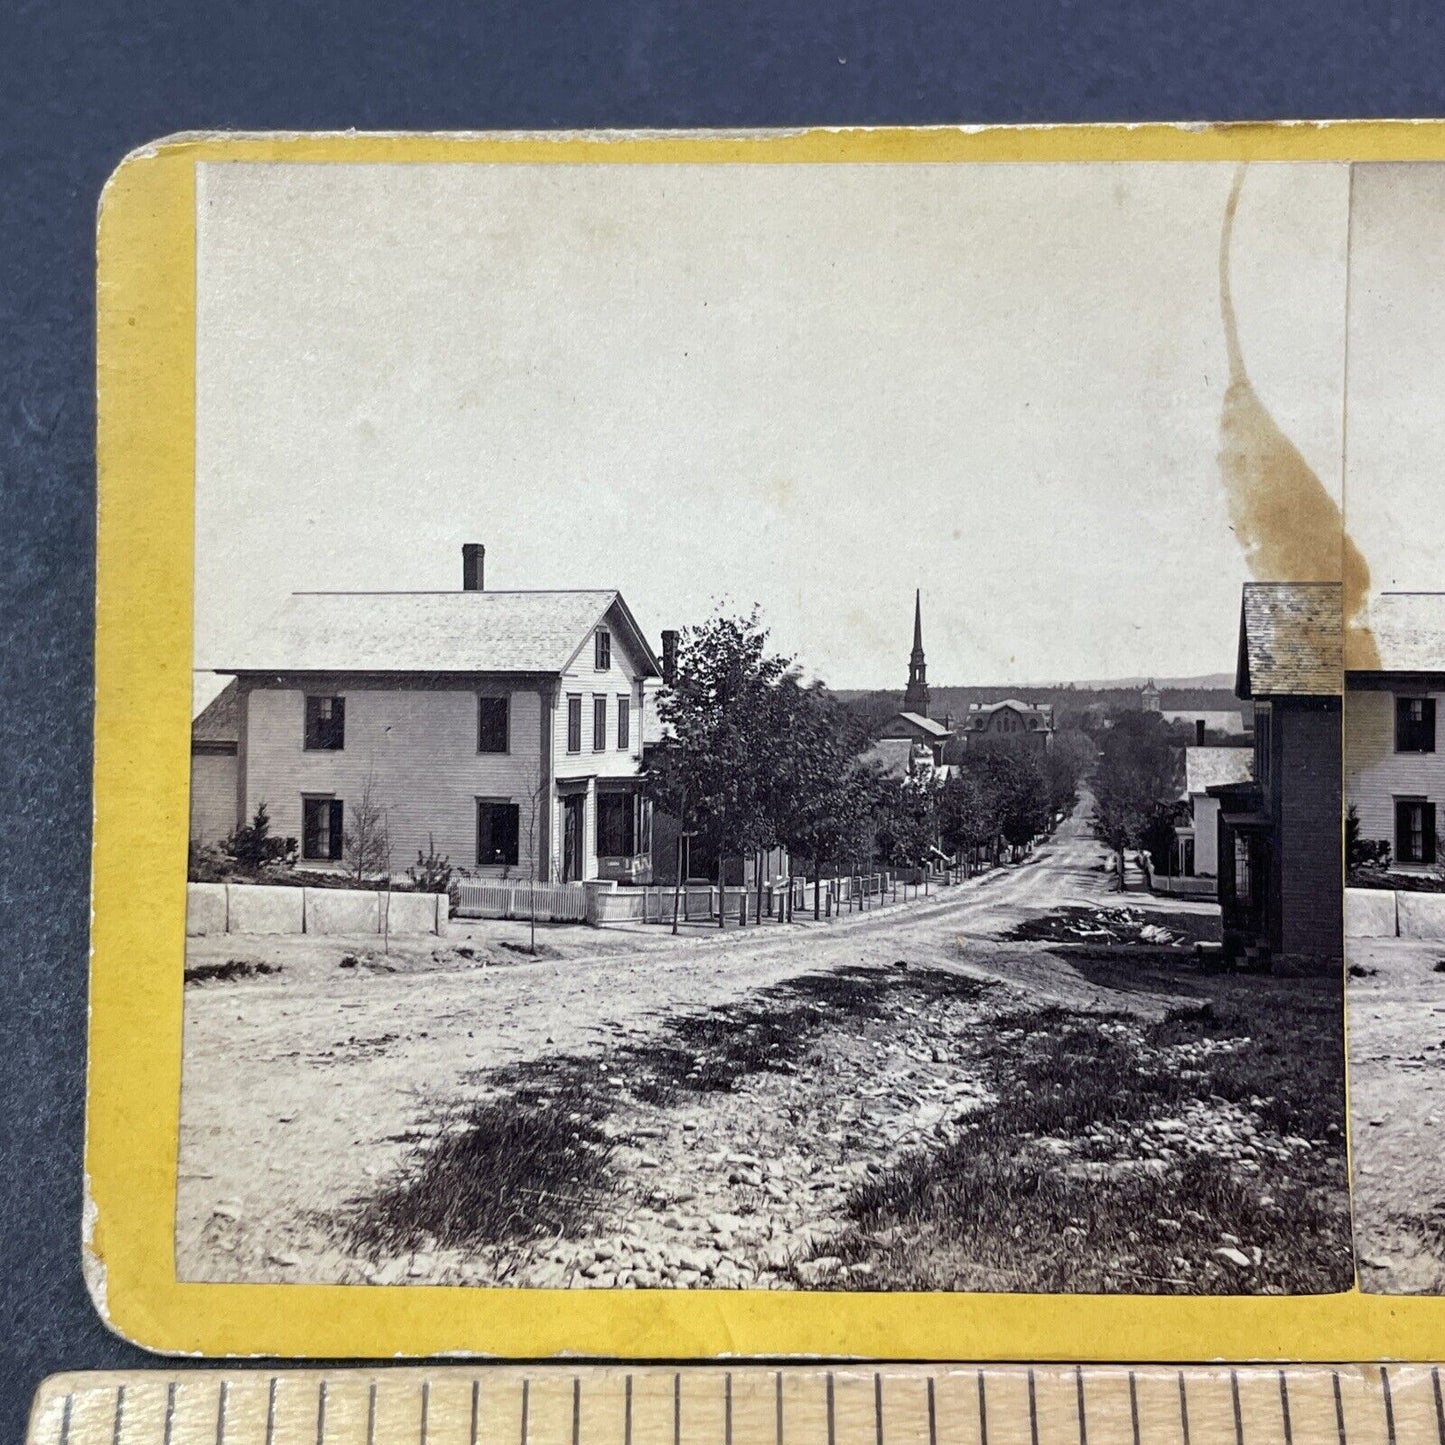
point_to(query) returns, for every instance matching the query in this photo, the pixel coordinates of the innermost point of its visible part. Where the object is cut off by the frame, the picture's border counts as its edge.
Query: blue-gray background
(80, 84)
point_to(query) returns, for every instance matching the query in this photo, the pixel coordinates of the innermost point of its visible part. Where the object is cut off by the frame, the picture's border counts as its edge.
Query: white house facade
(501, 729)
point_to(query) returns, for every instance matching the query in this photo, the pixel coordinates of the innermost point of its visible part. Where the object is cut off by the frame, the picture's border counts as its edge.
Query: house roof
(1229, 720)
(220, 720)
(893, 756)
(529, 632)
(1409, 631)
(923, 724)
(979, 712)
(1291, 640)
(1212, 767)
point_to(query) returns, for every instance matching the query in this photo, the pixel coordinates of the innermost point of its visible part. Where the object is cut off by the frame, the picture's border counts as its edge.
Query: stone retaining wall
(259, 908)
(1384, 913)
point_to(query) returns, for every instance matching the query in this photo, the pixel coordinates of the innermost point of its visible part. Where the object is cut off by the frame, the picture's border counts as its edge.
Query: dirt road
(303, 1089)
(1396, 1020)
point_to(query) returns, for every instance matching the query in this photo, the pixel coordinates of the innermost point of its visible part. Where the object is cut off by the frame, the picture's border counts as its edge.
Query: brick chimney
(474, 557)
(669, 656)
(1199, 732)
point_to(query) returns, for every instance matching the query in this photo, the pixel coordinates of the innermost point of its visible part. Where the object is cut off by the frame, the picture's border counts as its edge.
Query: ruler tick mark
(1033, 1413)
(371, 1414)
(982, 1410)
(65, 1410)
(1439, 1405)
(831, 1436)
(321, 1414)
(425, 1411)
(170, 1413)
(119, 1414)
(933, 1416)
(270, 1413)
(476, 1408)
(1284, 1409)
(626, 1412)
(727, 1408)
(576, 1409)
(221, 1413)
(1238, 1413)
(1339, 1407)
(778, 1405)
(525, 1402)
(677, 1410)
(1183, 1408)
(1133, 1405)
(1389, 1405)
(878, 1407)
(1079, 1406)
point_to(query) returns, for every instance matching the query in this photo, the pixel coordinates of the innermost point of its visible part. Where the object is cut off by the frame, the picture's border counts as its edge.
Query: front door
(572, 806)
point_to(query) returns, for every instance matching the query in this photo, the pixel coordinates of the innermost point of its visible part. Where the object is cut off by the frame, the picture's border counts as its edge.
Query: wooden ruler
(749, 1405)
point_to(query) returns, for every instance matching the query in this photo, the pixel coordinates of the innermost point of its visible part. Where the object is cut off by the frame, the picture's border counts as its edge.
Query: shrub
(432, 872)
(206, 863)
(1363, 852)
(252, 845)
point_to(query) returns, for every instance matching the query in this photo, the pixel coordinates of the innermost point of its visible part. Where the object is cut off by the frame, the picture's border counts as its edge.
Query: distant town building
(1029, 723)
(1149, 697)
(1231, 722)
(1197, 840)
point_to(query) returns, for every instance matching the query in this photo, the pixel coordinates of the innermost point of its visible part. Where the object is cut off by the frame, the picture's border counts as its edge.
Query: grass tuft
(506, 1170)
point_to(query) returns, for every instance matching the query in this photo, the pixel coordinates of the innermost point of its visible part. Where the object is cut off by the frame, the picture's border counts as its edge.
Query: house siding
(1305, 793)
(1375, 774)
(213, 796)
(1206, 835)
(420, 747)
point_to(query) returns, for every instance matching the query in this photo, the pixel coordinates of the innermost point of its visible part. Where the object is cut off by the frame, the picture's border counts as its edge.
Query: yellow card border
(145, 448)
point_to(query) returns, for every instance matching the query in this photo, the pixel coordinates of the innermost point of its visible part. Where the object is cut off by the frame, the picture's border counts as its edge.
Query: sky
(813, 388)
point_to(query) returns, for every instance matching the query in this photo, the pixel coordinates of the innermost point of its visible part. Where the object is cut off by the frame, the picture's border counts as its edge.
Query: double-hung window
(574, 723)
(602, 649)
(492, 724)
(624, 722)
(1414, 724)
(498, 833)
(1414, 830)
(321, 829)
(599, 724)
(325, 724)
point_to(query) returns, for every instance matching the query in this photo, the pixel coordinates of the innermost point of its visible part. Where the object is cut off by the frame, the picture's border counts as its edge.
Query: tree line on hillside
(755, 759)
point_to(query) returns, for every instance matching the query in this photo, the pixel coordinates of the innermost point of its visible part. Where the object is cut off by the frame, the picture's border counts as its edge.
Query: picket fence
(500, 898)
(694, 902)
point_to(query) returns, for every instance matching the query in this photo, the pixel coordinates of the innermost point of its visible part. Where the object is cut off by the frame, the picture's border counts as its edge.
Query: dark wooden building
(1281, 869)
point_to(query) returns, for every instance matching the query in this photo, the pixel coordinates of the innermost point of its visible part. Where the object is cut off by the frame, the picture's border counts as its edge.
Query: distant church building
(915, 695)
(915, 737)
(1149, 697)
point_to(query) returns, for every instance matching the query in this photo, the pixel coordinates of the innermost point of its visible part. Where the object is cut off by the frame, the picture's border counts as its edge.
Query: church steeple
(915, 698)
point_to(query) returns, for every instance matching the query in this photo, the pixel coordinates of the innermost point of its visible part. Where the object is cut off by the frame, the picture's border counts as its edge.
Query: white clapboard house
(495, 727)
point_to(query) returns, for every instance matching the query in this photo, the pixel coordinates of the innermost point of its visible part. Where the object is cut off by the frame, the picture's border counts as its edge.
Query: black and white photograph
(782, 727)
(1394, 773)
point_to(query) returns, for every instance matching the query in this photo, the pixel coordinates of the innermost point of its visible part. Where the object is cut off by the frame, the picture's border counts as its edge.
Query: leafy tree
(1065, 765)
(907, 824)
(720, 769)
(1139, 773)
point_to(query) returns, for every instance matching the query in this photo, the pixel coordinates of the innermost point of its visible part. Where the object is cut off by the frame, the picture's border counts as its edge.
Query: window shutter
(510, 820)
(335, 813)
(310, 829)
(1428, 851)
(338, 722)
(1427, 725)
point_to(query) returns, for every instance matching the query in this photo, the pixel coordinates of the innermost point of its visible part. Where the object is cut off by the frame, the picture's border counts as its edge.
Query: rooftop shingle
(1409, 631)
(513, 632)
(1291, 640)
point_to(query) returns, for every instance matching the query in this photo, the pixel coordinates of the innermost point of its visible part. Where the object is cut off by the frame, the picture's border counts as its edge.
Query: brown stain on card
(1291, 528)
